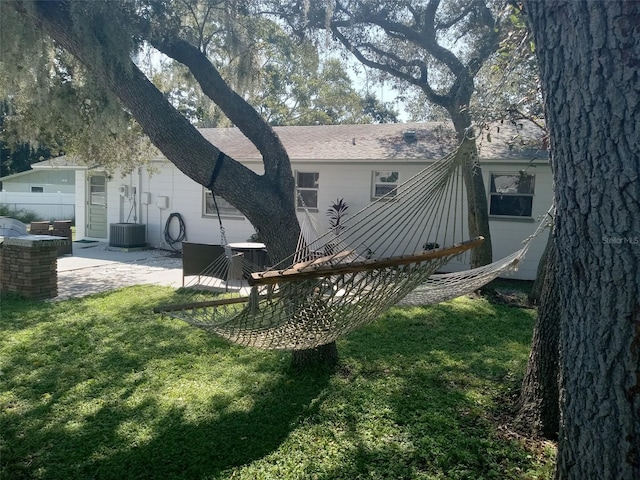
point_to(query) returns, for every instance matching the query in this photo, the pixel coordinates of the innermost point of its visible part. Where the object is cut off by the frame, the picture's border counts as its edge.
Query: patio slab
(96, 267)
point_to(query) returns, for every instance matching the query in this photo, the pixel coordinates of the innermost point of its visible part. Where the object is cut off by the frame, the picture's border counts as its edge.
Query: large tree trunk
(477, 210)
(324, 356)
(477, 205)
(589, 56)
(535, 296)
(539, 408)
(266, 200)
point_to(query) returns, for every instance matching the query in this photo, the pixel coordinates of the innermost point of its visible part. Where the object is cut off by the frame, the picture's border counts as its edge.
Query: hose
(182, 234)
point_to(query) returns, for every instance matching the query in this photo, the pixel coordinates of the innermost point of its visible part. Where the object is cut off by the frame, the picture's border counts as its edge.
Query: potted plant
(336, 213)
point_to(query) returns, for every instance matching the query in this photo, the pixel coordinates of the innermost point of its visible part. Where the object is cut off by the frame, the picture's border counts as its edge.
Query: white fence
(47, 206)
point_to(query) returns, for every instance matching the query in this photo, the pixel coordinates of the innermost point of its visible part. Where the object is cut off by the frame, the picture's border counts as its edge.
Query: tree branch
(423, 35)
(452, 21)
(243, 115)
(421, 82)
(168, 130)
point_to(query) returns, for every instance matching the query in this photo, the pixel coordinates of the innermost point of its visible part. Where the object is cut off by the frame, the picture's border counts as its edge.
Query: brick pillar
(29, 265)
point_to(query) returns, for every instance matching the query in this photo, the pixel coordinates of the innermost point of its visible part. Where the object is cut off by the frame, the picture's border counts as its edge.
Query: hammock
(441, 287)
(347, 277)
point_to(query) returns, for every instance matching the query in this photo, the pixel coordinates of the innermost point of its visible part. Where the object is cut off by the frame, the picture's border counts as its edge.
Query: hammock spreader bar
(320, 270)
(207, 303)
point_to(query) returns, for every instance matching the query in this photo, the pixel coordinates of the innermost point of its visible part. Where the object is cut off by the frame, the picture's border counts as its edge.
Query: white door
(97, 206)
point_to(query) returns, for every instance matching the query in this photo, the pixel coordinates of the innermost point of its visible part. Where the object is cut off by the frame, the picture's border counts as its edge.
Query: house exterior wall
(81, 203)
(50, 181)
(183, 196)
(350, 180)
(507, 234)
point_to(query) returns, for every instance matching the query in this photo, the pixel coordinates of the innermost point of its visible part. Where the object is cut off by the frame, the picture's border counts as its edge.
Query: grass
(101, 388)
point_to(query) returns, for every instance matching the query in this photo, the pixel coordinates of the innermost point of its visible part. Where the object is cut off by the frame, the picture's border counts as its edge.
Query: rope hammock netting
(385, 254)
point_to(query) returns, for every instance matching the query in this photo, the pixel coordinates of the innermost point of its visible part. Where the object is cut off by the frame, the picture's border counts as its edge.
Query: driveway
(96, 267)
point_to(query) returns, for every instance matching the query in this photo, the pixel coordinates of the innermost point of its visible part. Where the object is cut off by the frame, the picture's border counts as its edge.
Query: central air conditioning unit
(127, 235)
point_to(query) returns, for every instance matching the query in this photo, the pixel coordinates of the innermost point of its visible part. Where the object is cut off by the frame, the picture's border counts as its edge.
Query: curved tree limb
(168, 130)
(243, 115)
(421, 82)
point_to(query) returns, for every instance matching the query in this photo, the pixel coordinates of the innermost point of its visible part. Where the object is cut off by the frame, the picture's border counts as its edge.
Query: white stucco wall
(508, 234)
(348, 180)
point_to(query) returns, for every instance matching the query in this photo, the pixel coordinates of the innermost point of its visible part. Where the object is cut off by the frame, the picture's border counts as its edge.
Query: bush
(25, 216)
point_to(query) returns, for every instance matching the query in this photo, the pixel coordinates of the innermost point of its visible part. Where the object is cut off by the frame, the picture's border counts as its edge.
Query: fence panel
(46, 206)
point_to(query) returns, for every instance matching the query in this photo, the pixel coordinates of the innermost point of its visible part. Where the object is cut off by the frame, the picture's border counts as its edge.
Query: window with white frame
(383, 183)
(225, 208)
(307, 184)
(511, 194)
(37, 189)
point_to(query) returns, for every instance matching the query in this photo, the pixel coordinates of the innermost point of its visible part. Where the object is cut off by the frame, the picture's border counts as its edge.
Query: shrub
(25, 216)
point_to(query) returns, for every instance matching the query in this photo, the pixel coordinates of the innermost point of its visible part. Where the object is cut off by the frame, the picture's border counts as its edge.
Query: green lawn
(102, 388)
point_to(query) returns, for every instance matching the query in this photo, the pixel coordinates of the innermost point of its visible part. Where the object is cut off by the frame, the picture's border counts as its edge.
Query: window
(512, 194)
(98, 190)
(37, 189)
(307, 189)
(225, 208)
(384, 183)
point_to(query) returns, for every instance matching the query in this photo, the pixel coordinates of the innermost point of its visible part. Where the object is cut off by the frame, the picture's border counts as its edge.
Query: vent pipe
(409, 136)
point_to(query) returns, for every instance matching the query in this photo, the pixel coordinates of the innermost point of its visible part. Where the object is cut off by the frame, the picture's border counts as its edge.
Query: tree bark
(324, 356)
(477, 205)
(589, 56)
(477, 209)
(535, 296)
(539, 407)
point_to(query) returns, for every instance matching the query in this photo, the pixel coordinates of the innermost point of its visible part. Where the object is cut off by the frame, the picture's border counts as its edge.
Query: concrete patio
(95, 267)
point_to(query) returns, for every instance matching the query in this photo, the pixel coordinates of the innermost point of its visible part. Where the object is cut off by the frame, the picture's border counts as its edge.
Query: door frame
(88, 212)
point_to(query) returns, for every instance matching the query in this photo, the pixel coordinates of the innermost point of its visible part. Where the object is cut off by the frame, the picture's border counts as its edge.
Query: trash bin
(40, 228)
(62, 228)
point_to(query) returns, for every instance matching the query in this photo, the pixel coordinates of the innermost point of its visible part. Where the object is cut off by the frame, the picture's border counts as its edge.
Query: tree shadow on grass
(440, 370)
(183, 448)
(104, 390)
(478, 334)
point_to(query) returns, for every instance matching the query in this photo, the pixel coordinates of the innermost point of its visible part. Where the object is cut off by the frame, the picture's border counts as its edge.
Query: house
(355, 162)
(48, 189)
(49, 176)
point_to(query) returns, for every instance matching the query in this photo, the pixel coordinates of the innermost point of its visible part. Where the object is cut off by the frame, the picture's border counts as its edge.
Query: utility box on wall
(162, 202)
(127, 235)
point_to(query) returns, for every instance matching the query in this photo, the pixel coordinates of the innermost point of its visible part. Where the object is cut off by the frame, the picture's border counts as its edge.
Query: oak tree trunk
(477, 210)
(266, 200)
(324, 356)
(541, 272)
(539, 408)
(589, 56)
(477, 205)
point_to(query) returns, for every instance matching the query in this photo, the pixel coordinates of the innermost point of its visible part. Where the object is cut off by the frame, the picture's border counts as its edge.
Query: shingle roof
(380, 142)
(64, 161)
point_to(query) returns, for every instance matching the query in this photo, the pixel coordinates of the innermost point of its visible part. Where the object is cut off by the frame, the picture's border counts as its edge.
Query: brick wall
(29, 266)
